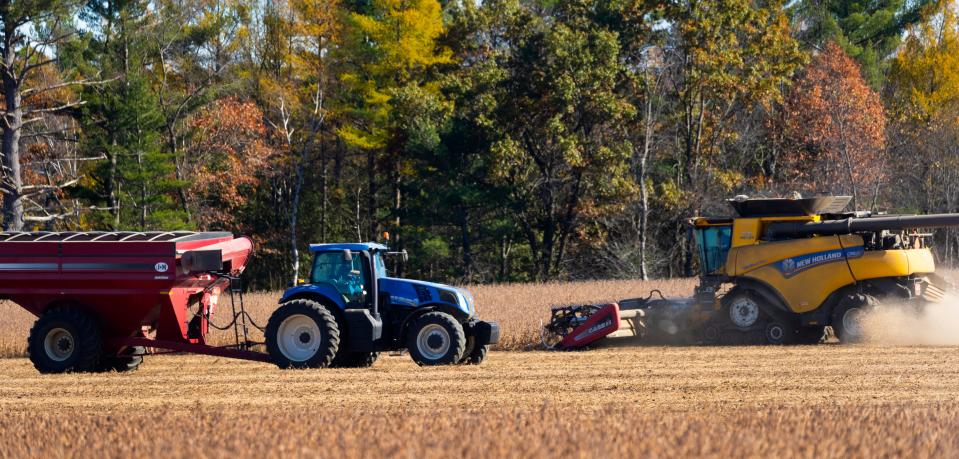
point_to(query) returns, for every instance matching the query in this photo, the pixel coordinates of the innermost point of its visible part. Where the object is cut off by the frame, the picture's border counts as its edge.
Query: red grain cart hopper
(102, 298)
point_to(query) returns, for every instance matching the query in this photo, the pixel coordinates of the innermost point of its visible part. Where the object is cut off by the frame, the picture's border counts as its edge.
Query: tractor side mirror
(347, 255)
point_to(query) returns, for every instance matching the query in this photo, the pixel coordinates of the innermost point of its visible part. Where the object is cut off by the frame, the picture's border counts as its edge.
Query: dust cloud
(936, 324)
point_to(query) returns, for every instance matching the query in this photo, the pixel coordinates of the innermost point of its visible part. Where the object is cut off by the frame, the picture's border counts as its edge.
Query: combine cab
(778, 272)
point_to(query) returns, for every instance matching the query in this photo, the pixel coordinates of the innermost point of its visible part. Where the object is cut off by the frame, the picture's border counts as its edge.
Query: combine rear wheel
(436, 338)
(302, 334)
(847, 318)
(64, 339)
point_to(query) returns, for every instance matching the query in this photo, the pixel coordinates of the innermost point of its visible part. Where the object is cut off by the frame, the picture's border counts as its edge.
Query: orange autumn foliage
(835, 130)
(228, 151)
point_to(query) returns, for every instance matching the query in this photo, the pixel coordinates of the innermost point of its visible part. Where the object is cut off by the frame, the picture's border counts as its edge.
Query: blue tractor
(350, 310)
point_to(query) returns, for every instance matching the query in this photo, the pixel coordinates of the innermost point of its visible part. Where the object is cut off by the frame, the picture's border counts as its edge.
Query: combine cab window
(713, 242)
(347, 276)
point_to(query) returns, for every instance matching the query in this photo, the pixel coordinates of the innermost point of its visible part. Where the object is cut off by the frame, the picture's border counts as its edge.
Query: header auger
(778, 272)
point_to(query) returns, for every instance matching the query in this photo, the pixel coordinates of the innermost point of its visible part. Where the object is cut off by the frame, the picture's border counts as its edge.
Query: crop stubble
(827, 400)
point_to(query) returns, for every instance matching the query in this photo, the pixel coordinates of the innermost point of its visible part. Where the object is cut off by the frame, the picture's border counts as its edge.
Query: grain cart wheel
(128, 360)
(847, 318)
(355, 359)
(436, 338)
(302, 334)
(64, 339)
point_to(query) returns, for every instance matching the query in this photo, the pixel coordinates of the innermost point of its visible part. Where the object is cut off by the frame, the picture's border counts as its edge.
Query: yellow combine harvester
(778, 272)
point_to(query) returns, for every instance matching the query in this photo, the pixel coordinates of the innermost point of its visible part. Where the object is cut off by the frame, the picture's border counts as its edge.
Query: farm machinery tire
(473, 355)
(64, 339)
(436, 338)
(355, 359)
(848, 315)
(779, 331)
(302, 333)
(128, 360)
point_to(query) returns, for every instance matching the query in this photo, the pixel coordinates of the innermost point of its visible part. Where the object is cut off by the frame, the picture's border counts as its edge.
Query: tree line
(502, 140)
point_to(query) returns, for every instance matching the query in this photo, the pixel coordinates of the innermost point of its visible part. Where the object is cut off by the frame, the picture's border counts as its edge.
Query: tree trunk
(13, 122)
(371, 189)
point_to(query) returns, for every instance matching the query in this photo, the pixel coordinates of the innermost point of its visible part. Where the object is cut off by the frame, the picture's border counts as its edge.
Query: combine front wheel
(743, 308)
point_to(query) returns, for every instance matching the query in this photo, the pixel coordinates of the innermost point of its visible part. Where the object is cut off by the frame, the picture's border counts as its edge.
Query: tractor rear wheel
(847, 318)
(436, 338)
(64, 339)
(302, 333)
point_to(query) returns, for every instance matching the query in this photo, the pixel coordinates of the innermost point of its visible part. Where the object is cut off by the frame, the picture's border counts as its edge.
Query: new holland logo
(792, 266)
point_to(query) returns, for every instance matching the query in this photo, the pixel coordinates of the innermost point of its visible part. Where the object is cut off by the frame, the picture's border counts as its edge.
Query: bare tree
(30, 32)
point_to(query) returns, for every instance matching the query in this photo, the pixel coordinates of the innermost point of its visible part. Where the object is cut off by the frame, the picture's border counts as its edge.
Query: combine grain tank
(101, 298)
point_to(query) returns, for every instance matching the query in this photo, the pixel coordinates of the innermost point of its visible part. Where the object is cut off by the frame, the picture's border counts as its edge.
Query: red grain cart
(102, 298)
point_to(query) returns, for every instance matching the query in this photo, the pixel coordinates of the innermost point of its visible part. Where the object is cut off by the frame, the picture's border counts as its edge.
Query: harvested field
(823, 401)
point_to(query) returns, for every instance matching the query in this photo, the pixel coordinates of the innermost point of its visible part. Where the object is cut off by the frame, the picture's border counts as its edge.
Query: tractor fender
(457, 314)
(319, 296)
(322, 293)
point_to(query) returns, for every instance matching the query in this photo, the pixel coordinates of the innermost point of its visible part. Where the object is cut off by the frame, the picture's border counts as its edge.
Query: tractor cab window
(347, 276)
(713, 242)
(380, 265)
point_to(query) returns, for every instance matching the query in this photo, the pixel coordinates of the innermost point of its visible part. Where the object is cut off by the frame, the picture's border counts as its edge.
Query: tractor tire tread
(330, 342)
(455, 330)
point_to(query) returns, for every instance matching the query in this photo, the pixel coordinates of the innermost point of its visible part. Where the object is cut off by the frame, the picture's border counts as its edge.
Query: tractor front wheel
(64, 339)
(302, 334)
(436, 338)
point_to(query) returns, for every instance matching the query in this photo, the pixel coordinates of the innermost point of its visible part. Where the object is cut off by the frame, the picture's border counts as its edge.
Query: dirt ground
(824, 401)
